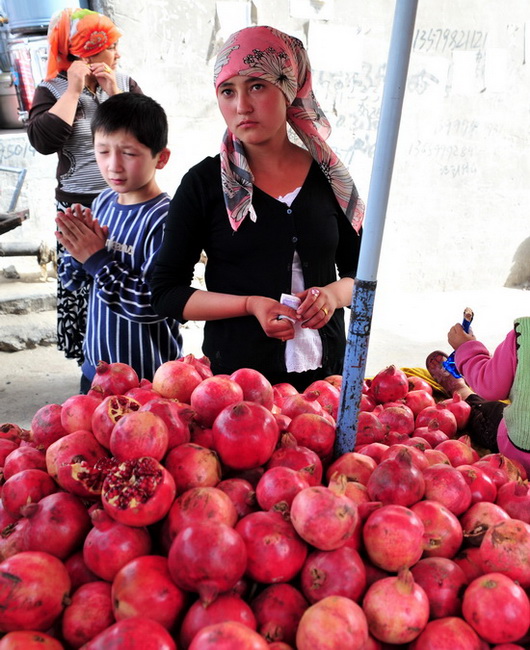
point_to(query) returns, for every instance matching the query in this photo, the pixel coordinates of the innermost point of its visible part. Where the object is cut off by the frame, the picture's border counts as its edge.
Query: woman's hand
(106, 77)
(267, 311)
(79, 233)
(456, 336)
(76, 75)
(317, 307)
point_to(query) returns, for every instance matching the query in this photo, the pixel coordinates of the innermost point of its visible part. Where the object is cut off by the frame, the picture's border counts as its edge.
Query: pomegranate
(138, 492)
(458, 451)
(110, 410)
(256, 387)
(323, 517)
(76, 412)
(13, 432)
(506, 548)
(393, 537)
(58, 524)
(447, 485)
(444, 582)
(496, 592)
(202, 365)
(109, 545)
(459, 408)
(355, 467)
(137, 434)
(397, 419)
(275, 552)
(328, 396)
(333, 573)
(143, 587)
(290, 454)
(113, 379)
(481, 485)
(46, 426)
(369, 428)
(241, 493)
(449, 632)
(417, 400)
(23, 458)
(191, 465)
(207, 558)
(200, 504)
(470, 561)
(78, 571)
(439, 412)
(396, 608)
(431, 432)
(176, 380)
(389, 385)
(314, 432)
(176, 416)
(34, 588)
(419, 383)
(514, 498)
(137, 633)
(281, 391)
(88, 614)
(396, 480)
(28, 640)
(226, 607)
(298, 403)
(245, 435)
(443, 532)
(13, 538)
(375, 450)
(331, 623)
(436, 457)
(496, 467)
(366, 403)
(228, 635)
(212, 395)
(143, 394)
(6, 447)
(478, 518)
(278, 610)
(27, 486)
(279, 485)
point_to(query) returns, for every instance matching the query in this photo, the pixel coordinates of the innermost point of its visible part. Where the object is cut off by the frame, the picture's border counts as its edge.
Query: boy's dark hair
(138, 114)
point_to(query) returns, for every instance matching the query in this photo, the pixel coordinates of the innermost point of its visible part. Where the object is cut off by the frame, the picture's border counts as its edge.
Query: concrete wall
(458, 209)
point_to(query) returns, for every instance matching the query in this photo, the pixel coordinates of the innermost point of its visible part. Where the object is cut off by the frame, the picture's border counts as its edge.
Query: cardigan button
(294, 240)
(289, 211)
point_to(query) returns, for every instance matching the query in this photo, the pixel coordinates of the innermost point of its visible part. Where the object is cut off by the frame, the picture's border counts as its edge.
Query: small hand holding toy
(450, 365)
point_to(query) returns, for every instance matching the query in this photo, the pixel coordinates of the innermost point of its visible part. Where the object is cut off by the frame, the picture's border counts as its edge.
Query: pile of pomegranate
(208, 512)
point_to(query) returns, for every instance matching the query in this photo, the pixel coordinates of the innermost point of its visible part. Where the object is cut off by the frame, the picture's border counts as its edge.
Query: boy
(112, 247)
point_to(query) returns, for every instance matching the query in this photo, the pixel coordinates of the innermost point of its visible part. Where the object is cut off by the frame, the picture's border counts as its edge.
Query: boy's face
(128, 166)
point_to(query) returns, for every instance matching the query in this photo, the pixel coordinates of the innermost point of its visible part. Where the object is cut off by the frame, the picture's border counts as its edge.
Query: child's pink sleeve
(490, 376)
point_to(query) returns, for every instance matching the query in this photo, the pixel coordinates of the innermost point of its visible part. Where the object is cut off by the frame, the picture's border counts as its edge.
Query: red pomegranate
(393, 537)
(478, 518)
(444, 582)
(212, 395)
(137, 633)
(113, 379)
(397, 480)
(275, 552)
(418, 399)
(290, 454)
(328, 396)
(340, 572)
(514, 498)
(177, 418)
(202, 365)
(139, 433)
(459, 408)
(419, 383)
(28, 640)
(496, 592)
(27, 486)
(298, 403)
(207, 558)
(256, 387)
(481, 485)
(278, 610)
(354, 466)
(192, 465)
(245, 435)
(23, 458)
(459, 451)
(76, 412)
(143, 587)
(226, 607)
(281, 391)
(34, 588)
(176, 380)
(443, 532)
(78, 571)
(369, 428)
(241, 493)
(279, 485)
(111, 409)
(431, 432)
(13, 538)
(314, 432)
(506, 548)
(109, 545)
(389, 385)
(331, 623)
(396, 608)
(397, 419)
(446, 484)
(228, 635)
(138, 492)
(470, 561)
(449, 632)
(323, 517)
(444, 416)
(46, 426)
(88, 614)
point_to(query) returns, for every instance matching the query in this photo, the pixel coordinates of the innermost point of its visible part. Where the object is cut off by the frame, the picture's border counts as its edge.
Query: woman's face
(254, 109)
(110, 56)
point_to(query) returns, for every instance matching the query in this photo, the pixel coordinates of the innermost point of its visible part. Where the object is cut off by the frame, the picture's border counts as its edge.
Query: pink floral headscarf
(280, 59)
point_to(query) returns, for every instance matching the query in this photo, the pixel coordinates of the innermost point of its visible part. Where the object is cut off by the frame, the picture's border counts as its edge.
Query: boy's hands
(456, 336)
(80, 233)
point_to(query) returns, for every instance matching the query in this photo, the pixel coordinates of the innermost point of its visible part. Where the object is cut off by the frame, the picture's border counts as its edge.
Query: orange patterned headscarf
(79, 32)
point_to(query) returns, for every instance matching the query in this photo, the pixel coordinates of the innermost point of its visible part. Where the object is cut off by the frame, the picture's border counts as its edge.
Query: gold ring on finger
(324, 310)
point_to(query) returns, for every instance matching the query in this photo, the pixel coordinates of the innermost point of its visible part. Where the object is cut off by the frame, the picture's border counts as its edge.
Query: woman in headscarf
(82, 72)
(273, 218)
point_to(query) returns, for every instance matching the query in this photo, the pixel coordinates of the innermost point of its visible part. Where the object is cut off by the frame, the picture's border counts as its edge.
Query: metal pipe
(376, 205)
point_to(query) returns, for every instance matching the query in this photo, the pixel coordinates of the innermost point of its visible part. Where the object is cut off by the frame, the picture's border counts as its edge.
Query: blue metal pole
(376, 205)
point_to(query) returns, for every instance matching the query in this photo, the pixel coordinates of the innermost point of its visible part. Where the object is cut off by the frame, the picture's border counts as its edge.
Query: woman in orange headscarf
(82, 72)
